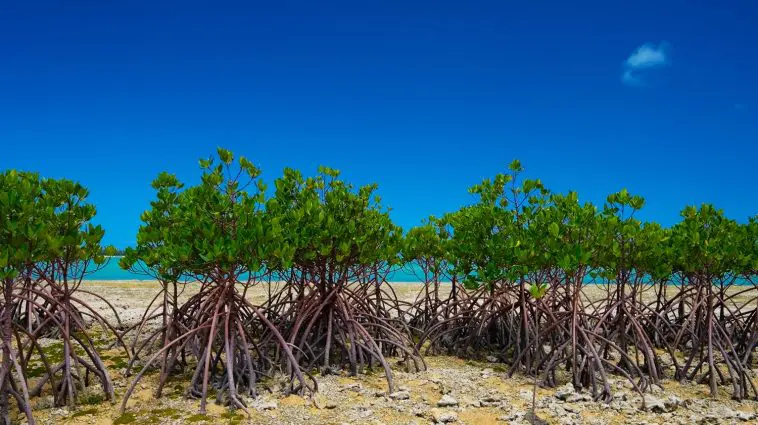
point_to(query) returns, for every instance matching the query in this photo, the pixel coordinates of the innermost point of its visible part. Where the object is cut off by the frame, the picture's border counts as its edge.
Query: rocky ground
(450, 391)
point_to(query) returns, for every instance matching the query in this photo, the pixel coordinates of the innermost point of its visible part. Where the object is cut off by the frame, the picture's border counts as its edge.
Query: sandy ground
(481, 391)
(132, 296)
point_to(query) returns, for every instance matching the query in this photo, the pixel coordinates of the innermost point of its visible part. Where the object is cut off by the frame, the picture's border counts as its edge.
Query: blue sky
(424, 98)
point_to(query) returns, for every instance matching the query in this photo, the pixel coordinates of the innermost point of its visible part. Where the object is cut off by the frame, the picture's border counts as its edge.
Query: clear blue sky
(424, 98)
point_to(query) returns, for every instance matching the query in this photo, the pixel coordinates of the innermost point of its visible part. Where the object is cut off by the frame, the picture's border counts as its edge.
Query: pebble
(400, 395)
(654, 404)
(564, 392)
(721, 412)
(447, 401)
(444, 416)
(420, 411)
(513, 416)
(321, 402)
(673, 402)
(267, 405)
(357, 387)
(491, 399)
(366, 413)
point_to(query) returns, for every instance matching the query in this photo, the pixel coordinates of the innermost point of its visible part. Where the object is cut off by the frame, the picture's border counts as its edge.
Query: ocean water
(111, 271)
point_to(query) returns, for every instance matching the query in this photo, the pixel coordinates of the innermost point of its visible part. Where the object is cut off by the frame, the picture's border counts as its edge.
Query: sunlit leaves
(538, 290)
(225, 155)
(515, 166)
(42, 220)
(429, 245)
(553, 229)
(518, 226)
(215, 226)
(327, 221)
(226, 223)
(491, 241)
(706, 242)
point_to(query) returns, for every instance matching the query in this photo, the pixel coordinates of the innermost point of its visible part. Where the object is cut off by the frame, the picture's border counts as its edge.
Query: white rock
(400, 395)
(352, 387)
(577, 397)
(419, 411)
(444, 416)
(673, 402)
(447, 401)
(722, 412)
(654, 404)
(513, 416)
(267, 405)
(564, 392)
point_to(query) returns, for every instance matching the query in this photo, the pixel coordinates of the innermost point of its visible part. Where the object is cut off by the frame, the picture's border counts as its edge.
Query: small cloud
(641, 61)
(629, 78)
(740, 106)
(648, 56)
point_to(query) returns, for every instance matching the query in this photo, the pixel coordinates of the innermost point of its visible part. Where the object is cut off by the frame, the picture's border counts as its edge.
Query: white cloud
(642, 60)
(629, 78)
(648, 56)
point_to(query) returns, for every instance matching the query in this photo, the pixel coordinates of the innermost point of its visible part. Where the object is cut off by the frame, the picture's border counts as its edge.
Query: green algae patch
(126, 418)
(157, 414)
(84, 413)
(165, 412)
(36, 371)
(119, 362)
(232, 417)
(91, 398)
(197, 418)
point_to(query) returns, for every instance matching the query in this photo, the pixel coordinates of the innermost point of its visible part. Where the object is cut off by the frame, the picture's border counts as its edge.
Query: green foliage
(518, 227)
(154, 237)
(226, 225)
(326, 222)
(428, 241)
(626, 245)
(705, 242)
(217, 228)
(76, 239)
(538, 290)
(490, 240)
(42, 220)
(429, 245)
(23, 225)
(750, 248)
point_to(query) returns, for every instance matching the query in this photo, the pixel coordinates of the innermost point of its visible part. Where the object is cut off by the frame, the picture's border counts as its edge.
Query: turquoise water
(111, 271)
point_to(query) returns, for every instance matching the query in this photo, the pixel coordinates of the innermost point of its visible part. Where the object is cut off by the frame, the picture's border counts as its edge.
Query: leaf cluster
(519, 228)
(226, 226)
(45, 221)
